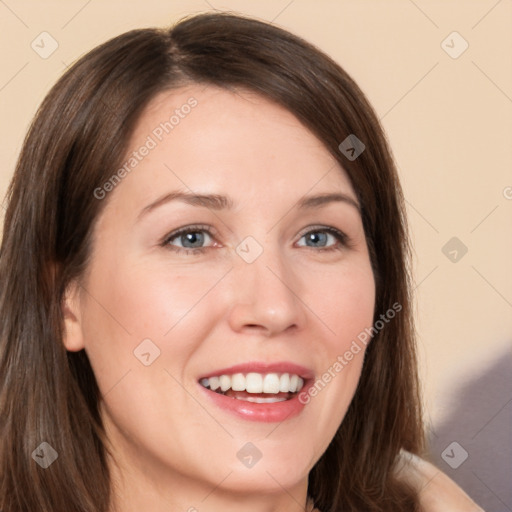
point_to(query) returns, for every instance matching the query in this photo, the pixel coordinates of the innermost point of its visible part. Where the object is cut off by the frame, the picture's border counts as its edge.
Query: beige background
(449, 121)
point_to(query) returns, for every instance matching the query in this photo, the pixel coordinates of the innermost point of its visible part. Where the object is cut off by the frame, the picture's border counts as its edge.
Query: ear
(72, 337)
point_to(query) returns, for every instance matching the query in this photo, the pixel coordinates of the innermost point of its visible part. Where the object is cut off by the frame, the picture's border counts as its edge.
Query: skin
(297, 302)
(438, 493)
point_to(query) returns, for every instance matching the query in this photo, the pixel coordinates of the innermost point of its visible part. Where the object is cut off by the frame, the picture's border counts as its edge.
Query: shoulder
(438, 492)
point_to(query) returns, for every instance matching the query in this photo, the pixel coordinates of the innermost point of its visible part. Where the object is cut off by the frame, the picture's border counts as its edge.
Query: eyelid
(319, 227)
(188, 229)
(342, 237)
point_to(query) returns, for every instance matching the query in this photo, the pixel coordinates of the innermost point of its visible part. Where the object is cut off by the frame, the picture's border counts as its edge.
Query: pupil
(318, 238)
(192, 239)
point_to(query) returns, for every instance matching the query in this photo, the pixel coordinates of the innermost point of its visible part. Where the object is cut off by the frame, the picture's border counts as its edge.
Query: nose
(265, 297)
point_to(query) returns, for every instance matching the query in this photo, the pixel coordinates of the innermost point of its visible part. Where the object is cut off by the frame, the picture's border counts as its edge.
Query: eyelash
(342, 238)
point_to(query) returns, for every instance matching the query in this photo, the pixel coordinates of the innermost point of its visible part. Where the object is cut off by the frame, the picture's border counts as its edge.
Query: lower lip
(267, 413)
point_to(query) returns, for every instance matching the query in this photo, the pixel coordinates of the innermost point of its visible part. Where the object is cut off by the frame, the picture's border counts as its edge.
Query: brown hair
(77, 139)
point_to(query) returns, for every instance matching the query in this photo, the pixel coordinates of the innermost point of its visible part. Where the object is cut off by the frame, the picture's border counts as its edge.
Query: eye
(192, 239)
(196, 239)
(324, 238)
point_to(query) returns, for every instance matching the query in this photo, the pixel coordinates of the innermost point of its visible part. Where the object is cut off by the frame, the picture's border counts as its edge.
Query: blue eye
(324, 238)
(197, 239)
(191, 239)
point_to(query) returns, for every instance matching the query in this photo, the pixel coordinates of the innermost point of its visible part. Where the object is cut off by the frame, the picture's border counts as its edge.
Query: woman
(205, 295)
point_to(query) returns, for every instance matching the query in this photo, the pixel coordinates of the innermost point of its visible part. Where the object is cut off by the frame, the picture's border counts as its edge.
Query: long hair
(76, 141)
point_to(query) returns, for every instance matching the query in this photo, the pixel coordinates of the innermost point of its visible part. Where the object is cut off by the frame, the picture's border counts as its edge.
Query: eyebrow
(211, 201)
(221, 202)
(323, 199)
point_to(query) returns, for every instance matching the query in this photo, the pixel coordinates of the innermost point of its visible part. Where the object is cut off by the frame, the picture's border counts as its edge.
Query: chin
(263, 481)
(271, 473)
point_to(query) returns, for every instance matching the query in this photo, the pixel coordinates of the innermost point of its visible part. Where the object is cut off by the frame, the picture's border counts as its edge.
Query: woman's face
(271, 278)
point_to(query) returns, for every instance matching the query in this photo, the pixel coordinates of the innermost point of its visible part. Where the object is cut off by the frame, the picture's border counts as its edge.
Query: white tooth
(262, 400)
(214, 383)
(238, 382)
(284, 383)
(271, 383)
(294, 380)
(225, 382)
(254, 383)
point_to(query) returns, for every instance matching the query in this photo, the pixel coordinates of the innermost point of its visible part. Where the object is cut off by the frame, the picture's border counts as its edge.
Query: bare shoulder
(438, 492)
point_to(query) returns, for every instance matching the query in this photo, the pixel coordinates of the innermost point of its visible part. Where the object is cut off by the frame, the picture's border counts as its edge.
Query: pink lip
(270, 412)
(261, 367)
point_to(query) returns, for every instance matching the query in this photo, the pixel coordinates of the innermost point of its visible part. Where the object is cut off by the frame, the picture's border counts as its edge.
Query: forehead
(210, 139)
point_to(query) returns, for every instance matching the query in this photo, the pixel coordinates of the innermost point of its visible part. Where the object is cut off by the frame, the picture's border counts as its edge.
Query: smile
(245, 387)
(258, 391)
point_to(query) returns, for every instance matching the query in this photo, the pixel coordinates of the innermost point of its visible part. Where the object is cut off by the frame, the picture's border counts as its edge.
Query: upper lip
(262, 367)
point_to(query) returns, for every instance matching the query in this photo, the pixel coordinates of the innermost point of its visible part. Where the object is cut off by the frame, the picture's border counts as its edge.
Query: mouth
(259, 388)
(259, 391)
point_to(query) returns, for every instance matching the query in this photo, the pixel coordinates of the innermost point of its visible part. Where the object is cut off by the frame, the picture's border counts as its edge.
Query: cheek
(129, 303)
(345, 301)
(346, 308)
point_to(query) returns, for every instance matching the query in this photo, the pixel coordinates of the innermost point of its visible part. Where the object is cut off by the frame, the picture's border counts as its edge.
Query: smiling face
(272, 273)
